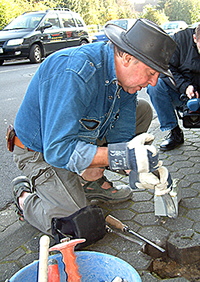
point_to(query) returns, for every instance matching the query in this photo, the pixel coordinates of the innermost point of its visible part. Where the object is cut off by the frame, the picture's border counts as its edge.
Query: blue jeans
(165, 100)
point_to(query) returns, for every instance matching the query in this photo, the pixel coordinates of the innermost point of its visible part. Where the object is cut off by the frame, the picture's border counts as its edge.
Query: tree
(10, 9)
(178, 10)
(154, 15)
(195, 11)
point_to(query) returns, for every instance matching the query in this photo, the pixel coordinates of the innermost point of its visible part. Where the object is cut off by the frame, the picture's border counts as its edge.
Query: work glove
(161, 181)
(137, 155)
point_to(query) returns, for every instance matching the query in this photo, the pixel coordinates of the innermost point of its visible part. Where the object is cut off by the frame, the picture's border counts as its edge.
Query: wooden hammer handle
(43, 259)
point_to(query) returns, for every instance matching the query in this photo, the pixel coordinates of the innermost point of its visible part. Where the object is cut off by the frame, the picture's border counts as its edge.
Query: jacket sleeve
(182, 76)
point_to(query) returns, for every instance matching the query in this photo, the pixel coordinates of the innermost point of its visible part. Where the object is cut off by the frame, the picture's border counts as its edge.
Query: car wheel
(83, 42)
(1, 62)
(35, 54)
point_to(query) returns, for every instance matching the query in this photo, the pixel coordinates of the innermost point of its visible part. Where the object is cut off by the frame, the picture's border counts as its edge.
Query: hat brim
(115, 34)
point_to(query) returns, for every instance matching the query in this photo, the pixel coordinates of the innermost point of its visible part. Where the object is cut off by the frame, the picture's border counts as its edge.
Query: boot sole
(105, 199)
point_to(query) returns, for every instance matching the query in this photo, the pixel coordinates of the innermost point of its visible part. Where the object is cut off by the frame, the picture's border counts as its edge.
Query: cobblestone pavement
(180, 236)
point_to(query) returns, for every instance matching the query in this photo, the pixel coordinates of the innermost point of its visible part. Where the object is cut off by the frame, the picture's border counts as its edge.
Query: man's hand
(135, 155)
(191, 93)
(160, 181)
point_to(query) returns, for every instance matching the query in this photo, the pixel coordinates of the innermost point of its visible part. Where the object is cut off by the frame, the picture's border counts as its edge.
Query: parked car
(194, 25)
(125, 23)
(173, 26)
(34, 35)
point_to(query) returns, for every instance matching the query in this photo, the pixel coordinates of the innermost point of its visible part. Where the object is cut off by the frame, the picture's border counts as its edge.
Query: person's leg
(56, 192)
(106, 190)
(164, 100)
(144, 116)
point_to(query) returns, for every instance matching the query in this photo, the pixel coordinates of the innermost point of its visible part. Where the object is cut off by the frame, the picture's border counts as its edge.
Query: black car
(34, 35)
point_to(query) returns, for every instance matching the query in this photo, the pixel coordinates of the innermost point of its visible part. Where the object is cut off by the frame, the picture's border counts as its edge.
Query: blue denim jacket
(72, 100)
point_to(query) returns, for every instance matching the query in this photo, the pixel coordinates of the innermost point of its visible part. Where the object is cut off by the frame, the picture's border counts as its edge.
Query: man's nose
(153, 80)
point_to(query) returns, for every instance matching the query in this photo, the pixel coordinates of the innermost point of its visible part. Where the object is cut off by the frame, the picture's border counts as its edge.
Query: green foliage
(10, 9)
(178, 10)
(157, 16)
(195, 11)
(101, 11)
(98, 12)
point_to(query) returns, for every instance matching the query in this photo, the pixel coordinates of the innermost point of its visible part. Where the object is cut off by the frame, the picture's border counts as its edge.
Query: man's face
(133, 75)
(197, 43)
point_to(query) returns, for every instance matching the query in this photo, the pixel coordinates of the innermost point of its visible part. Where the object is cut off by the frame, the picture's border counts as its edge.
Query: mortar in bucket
(93, 267)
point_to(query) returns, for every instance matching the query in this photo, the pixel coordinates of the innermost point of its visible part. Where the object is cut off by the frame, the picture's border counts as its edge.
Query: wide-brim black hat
(147, 42)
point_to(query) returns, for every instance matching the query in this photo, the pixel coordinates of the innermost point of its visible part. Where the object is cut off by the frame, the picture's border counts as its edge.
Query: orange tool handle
(53, 271)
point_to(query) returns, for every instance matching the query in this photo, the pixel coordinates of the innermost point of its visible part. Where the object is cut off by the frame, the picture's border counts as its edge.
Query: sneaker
(94, 191)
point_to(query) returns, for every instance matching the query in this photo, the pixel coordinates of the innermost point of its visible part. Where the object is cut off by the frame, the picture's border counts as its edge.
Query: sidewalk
(180, 236)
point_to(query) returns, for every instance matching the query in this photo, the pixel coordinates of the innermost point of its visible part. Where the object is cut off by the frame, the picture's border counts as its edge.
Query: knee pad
(88, 223)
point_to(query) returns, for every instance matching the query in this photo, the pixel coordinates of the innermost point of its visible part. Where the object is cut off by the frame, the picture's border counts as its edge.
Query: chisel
(118, 224)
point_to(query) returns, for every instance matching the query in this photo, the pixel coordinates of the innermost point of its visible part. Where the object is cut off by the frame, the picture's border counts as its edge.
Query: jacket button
(92, 65)
(110, 97)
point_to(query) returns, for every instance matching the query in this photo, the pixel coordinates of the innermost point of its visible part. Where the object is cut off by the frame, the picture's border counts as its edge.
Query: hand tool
(43, 259)
(142, 244)
(69, 258)
(53, 271)
(118, 224)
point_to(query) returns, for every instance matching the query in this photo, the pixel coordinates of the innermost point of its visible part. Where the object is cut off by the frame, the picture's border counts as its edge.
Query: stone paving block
(180, 223)
(196, 226)
(192, 178)
(157, 235)
(141, 196)
(7, 270)
(191, 203)
(8, 217)
(123, 245)
(148, 277)
(184, 184)
(141, 208)
(22, 233)
(123, 214)
(146, 219)
(189, 193)
(28, 258)
(195, 159)
(188, 170)
(194, 214)
(15, 255)
(138, 260)
(182, 164)
(184, 246)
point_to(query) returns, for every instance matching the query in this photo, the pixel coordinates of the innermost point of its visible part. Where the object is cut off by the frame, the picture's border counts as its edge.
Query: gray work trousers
(58, 192)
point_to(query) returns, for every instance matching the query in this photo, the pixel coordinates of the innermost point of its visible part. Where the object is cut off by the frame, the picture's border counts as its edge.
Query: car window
(26, 21)
(68, 20)
(52, 19)
(121, 23)
(79, 22)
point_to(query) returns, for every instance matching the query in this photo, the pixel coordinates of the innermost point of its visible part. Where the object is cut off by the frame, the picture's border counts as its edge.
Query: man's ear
(126, 58)
(194, 38)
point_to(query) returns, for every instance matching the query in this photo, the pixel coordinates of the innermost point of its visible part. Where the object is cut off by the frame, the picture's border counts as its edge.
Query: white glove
(134, 155)
(160, 181)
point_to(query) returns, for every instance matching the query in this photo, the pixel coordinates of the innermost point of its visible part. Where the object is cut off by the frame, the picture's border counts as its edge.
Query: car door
(71, 31)
(53, 37)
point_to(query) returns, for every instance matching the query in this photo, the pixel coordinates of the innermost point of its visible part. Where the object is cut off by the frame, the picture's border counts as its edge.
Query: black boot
(174, 139)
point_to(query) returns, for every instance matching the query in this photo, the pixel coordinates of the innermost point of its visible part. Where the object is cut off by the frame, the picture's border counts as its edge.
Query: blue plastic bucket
(93, 267)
